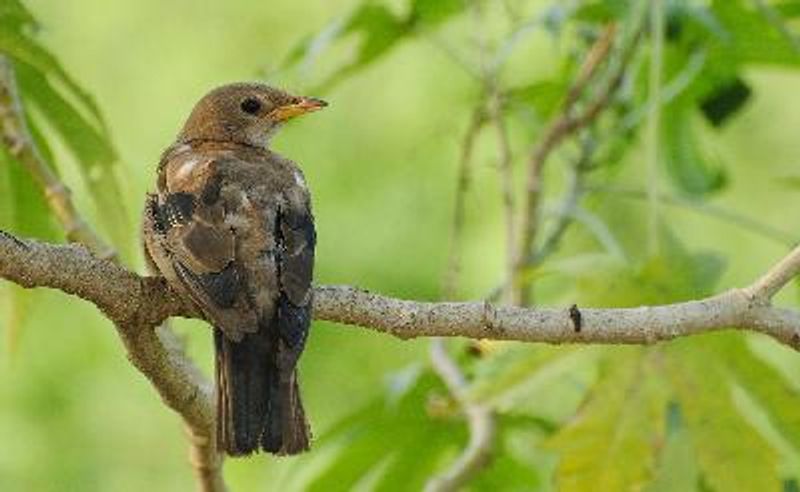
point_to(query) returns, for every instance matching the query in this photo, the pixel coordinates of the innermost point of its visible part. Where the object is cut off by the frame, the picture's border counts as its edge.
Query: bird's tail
(258, 405)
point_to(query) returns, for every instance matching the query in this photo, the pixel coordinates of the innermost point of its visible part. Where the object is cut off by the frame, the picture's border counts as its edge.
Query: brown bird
(231, 228)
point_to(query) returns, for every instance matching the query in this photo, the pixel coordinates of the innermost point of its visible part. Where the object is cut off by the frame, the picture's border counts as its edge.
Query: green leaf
(731, 454)
(378, 30)
(542, 381)
(431, 13)
(613, 442)
(725, 101)
(385, 441)
(544, 97)
(683, 157)
(677, 464)
(88, 143)
(23, 211)
(752, 36)
(22, 48)
(763, 383)
(14, 15)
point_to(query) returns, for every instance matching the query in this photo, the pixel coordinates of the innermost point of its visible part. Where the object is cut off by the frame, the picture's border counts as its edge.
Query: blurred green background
(381, 162)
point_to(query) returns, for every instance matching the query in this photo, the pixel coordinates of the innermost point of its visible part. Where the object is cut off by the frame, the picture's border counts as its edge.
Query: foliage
(709, 413)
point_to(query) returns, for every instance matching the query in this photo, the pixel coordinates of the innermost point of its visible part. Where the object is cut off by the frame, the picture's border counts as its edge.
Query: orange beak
(303, 106)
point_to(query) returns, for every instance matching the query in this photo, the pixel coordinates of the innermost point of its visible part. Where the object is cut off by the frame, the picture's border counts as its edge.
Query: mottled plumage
(231, 228)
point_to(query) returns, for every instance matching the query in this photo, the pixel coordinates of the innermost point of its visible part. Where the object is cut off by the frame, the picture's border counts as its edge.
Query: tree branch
(128, 298)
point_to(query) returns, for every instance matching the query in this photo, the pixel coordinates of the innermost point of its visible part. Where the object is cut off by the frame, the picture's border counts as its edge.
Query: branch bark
(134, 302)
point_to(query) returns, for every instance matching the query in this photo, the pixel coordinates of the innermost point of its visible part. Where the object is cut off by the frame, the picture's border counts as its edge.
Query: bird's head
(245, 113)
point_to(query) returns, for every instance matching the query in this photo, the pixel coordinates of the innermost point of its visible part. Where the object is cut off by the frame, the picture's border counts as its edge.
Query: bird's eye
(251, 105)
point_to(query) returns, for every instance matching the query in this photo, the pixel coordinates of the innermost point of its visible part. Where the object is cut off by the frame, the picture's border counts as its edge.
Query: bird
(230, 228)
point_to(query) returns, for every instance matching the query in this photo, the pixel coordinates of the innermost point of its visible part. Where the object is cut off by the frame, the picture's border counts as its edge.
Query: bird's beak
(303, 106)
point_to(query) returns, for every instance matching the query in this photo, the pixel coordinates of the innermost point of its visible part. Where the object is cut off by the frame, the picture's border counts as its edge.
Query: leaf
(677, 466)
(86, 142)
(431, 13)
(544, 97)
(385, 441)
(683, 157)
(542, 381)
(378, 30)
(613, 442)
(14, 15)
(754, 38)
(23, 211)
(731, 454)
(24, 49)
(778, 400)
(726, 100)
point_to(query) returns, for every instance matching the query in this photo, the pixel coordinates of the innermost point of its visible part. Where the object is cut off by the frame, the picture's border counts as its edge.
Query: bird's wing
(296, 239)
(200, 245)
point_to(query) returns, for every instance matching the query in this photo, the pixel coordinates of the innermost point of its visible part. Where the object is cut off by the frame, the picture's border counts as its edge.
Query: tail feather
(258, 405)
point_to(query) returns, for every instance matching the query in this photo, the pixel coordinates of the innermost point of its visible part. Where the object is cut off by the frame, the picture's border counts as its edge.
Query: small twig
(560, 128)
(569, 203)
(776, 278)
(481, 423)
(453, 272)
(652, 136)
(17, 138)
(507, 187)
(480, 420)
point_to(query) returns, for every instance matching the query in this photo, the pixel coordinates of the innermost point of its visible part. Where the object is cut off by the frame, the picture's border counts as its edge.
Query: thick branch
(124, 296)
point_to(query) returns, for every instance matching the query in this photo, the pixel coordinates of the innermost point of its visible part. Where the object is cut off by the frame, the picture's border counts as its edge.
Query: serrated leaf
(546, 382)
(677, 464)
(613, 442)
(731, 454)
(778, 400)
(676, 274)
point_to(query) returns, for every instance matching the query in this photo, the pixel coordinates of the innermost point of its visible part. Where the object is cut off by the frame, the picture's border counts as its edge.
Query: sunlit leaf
(376, 29)
(89, 145)
(731, 454)
(24, 49)
(677, 464)
(621, 423)
(23, 211)
(429, 13)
